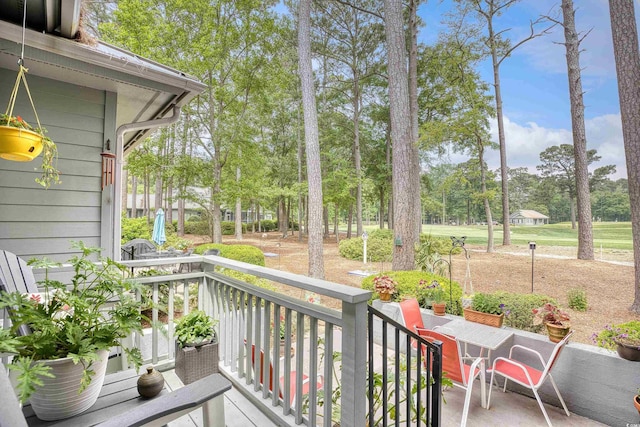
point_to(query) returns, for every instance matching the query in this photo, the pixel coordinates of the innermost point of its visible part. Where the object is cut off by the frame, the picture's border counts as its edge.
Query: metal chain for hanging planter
(21, 142)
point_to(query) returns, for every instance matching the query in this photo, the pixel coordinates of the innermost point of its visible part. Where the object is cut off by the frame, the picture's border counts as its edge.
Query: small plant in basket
(385, 286)
(488, 303)
(550, 313)
(50, 173)
(195, 329)
(556, 321)
(622, 337)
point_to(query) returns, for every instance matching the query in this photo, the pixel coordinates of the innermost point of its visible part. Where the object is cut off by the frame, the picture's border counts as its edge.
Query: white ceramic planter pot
(58, 398)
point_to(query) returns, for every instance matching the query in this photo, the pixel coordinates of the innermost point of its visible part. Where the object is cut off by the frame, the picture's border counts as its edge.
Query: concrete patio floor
(507, 409)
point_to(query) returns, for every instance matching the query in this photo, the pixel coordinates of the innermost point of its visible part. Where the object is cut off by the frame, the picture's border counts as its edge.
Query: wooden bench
(119, 404)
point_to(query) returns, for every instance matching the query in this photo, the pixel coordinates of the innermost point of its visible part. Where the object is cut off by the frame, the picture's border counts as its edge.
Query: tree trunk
(625, 46)
(413, 112)
(314, 175)
(381, 221)
(300, 199)
(485, 199)
(506, 233)
(572, 44)
(356, 151)
(572, 211)
(134, 196)
(238, 216)
(404, 226)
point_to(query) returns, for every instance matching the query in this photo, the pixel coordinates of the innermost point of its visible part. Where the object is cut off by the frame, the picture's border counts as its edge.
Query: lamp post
(455, 243)
(532, 247)
(365, 236)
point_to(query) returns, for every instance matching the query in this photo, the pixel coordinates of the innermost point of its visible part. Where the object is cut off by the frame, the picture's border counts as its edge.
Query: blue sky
(535, 86)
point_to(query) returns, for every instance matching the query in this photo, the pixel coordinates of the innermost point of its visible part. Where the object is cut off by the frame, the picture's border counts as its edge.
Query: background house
(528, 217)
(91, 99)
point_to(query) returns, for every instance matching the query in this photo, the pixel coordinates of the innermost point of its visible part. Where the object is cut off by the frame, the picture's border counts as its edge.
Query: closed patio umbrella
(158, 228)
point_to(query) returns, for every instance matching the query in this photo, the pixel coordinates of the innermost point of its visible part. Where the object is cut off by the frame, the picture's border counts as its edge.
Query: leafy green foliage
(198, 228)
(628, 333)
(487, 303)
(135, 228)
(94, 313)
(518, 308)
(244, 253)
(414, 284)
(577, 299)
(229, 228)
(267, 225)
(194, 328)
(379, 247)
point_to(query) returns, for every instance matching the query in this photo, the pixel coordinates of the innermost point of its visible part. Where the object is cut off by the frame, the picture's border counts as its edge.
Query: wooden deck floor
(238, 411)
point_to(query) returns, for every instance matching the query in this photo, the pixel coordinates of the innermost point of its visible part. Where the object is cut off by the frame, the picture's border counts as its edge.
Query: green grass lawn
(609, 235)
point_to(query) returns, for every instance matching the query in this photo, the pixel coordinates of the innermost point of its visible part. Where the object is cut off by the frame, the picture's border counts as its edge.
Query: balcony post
(354, 364)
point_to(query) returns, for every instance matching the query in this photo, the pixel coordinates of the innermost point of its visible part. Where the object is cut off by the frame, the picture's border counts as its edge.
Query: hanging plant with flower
(384, 285)
(22, 142)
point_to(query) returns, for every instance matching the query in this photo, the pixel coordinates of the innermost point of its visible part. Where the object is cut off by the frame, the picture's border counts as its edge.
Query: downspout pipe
(117, 201)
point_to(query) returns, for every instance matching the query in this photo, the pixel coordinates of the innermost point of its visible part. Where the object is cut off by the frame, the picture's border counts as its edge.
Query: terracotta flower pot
(557, 332)
(636, 402)
(439, 308)
(385, 297)
(484, 318)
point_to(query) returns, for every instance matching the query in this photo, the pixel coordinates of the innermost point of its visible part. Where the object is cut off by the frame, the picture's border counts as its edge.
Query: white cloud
(596, 57)
(526, 142)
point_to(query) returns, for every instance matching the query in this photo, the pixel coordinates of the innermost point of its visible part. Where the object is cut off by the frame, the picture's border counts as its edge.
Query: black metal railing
(404, 375)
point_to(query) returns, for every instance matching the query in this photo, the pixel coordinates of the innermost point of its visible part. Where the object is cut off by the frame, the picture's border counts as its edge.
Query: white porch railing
(250, 319)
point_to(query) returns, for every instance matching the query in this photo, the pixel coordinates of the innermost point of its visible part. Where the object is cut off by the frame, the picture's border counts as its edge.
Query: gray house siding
(35, 221)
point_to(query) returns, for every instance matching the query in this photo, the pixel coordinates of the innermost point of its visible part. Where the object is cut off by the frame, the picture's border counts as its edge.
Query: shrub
(135, 228)
(198, 228)
(244, 253)
(577, 299)
(229, 228)
(248, 278)
(379, 247)
(438, 245)
(519, 309)
(408, 286)
(266, 225)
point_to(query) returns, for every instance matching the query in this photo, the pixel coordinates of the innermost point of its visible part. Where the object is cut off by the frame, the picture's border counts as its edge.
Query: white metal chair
(528, 376)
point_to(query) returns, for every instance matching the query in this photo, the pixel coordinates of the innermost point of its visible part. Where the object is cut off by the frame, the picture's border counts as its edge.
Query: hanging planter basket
(20, 142)
(19, 145)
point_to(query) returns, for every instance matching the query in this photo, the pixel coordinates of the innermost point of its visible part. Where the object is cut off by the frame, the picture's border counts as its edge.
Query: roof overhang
(146, 90)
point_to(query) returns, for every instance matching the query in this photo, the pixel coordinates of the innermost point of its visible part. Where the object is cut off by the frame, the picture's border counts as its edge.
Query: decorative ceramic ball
(151, 383)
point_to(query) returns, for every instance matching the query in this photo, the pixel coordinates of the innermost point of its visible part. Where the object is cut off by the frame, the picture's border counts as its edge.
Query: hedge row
(244, 253)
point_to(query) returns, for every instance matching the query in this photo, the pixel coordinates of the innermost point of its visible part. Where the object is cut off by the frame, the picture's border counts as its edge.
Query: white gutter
(117, 201)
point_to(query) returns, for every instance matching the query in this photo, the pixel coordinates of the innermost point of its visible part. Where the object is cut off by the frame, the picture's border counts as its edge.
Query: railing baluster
(276, 355)
(313, 368)
(154, 321)
(328, 374)
(170, 321)
(297, 407)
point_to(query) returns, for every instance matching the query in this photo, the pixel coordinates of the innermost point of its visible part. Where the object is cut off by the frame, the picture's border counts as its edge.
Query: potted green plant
(21, 142)
(196, 347)
(556, 320)
(487, 309)
(70, 331)
(385, 286)
(622, 337)
(435, 293)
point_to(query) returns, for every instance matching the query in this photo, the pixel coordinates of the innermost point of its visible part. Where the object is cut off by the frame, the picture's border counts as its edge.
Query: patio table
(477, 334)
